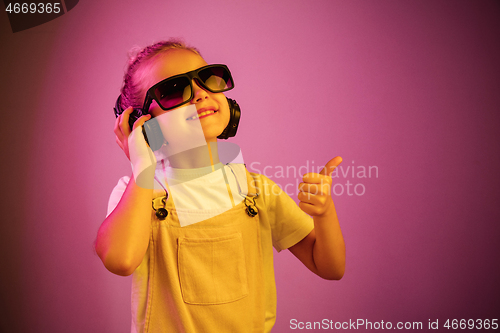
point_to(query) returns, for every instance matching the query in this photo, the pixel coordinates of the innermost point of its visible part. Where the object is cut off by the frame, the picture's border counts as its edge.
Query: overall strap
(252, 189)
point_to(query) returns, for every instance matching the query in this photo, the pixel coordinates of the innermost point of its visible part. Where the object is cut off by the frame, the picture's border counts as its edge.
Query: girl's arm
(323, 250)
(123, 238)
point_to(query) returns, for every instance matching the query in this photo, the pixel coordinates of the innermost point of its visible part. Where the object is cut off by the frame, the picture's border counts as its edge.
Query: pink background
(411, 87)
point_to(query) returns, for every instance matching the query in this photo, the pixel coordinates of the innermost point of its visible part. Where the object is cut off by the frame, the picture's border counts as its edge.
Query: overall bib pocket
(212, 270)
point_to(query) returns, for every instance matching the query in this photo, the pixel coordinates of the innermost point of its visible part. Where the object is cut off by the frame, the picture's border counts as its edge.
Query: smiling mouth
(202, 114)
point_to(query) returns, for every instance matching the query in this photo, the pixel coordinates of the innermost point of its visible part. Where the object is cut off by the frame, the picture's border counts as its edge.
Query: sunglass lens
(173, 92)
(216, 79)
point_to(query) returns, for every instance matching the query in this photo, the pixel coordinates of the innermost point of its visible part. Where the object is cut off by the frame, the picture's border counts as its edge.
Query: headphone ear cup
(134, 115)
(153, 134)
(153, 128)
(234, 120)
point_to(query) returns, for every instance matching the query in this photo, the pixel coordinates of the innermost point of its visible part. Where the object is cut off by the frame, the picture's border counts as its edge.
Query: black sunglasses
(178, 90)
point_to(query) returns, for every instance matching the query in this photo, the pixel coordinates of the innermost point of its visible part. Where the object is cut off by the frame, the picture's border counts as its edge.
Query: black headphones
(152, 125)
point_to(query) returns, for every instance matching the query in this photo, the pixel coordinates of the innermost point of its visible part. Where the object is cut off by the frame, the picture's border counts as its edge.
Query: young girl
(201, 262)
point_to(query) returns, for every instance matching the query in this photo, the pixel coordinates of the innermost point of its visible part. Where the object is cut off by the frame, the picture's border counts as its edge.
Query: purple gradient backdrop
(409, 87)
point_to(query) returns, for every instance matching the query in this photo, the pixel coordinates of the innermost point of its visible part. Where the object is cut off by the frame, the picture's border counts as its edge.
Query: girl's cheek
(155, 110)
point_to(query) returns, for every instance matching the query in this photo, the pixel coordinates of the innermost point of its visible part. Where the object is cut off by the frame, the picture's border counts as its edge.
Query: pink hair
(132, 90)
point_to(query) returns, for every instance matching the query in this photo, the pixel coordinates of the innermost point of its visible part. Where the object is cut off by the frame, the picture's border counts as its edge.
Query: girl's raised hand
(315, 190)
(122, 129)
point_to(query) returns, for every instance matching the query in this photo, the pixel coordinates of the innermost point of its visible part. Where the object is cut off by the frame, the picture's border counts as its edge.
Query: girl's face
(214, 106)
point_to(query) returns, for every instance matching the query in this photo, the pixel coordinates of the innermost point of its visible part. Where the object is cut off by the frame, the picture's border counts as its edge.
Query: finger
(316, 178)
(310, 188)
(305, 197)
(306, 207)
(123, 124)
(311, 199)
(139, 122)
(330, 166)
(119, 142)
(310, 209)
(116, 129)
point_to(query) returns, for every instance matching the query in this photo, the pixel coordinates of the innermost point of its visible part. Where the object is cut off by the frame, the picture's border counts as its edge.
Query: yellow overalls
(205, 277)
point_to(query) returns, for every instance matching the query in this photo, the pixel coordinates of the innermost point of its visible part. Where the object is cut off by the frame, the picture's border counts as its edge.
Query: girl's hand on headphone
(135, 147)
(122, 129)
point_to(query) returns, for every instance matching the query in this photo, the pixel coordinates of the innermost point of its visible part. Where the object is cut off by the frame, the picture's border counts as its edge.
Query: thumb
(330, 166)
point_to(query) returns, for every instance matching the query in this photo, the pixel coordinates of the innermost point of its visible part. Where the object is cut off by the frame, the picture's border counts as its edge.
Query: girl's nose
(200, 94)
